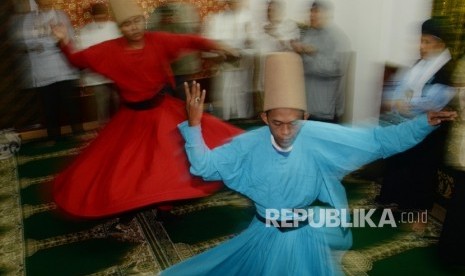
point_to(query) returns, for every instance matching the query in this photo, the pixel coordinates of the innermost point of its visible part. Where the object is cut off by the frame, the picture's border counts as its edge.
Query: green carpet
(46, 243)
(36, 240)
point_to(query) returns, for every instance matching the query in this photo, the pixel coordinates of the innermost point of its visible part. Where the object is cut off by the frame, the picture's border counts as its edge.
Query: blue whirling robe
(321, 156)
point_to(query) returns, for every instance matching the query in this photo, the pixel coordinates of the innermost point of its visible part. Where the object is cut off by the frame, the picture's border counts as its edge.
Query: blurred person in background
(178, 17)
(55, 79)
(100, 29)
(277, 31)
(410, 178)
(232, 90)
(17, 35)
(325, 49)
(27, 91)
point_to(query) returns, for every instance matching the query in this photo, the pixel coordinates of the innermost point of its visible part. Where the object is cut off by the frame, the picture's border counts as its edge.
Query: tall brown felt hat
(284, 82)
(125, 9)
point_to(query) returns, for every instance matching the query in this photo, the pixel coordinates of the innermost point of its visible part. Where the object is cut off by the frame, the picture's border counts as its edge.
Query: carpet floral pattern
(35, 240)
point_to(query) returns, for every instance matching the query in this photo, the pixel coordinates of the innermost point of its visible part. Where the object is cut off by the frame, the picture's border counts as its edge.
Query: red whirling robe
(138, 159)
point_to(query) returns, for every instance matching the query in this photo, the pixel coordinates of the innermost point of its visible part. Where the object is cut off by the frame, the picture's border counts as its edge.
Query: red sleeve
(94, 57)
(182, 43)
(75, 58)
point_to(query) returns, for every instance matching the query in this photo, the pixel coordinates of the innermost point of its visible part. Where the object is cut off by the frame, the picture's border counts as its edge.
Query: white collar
(425, 70)
(277, 147)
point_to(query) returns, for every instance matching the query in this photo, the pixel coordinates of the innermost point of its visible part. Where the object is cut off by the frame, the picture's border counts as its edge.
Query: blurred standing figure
(100, 29)
(325, 51)
(276, 32)
(232, 88)
(52, 74)
(17, 34)
(410, 178)
(178, 17)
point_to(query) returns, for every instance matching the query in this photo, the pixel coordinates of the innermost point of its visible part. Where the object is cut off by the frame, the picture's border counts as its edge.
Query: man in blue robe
(287, 165)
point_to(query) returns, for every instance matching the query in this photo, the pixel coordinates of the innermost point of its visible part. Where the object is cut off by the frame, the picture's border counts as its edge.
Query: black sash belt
(146, 104)
(300, 223)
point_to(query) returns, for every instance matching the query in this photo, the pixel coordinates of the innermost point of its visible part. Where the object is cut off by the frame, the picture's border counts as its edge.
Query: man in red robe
(138, 159)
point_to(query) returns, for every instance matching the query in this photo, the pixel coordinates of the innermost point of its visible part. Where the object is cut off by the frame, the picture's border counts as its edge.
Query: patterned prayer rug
(35, 240)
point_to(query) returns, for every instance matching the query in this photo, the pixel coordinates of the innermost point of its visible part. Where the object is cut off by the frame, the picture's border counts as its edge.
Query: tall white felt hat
(284, 81)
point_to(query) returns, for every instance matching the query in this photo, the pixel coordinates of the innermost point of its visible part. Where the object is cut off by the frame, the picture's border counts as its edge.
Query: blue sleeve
(398, 138)
(347, 149)
(434, 97)
(222, 163)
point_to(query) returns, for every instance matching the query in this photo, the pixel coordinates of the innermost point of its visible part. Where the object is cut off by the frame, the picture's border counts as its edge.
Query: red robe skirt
(137, 160)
